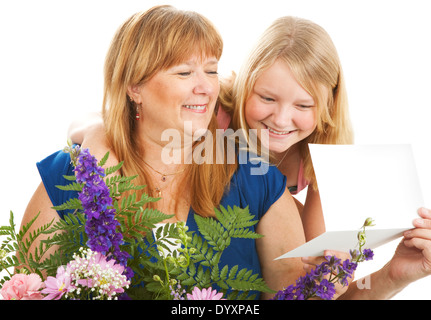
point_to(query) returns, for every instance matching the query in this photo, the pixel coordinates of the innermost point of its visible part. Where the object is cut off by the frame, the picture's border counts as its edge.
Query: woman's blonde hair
(145, 44)
(310, 54)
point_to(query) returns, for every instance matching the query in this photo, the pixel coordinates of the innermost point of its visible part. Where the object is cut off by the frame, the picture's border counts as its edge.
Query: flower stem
(4, 268)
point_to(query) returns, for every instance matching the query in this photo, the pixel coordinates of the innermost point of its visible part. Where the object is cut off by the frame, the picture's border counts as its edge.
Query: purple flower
(346, 271)
(368, 254)
(325, 290)
(349, 267)
(332, 263)
(314, 283)
(101, 225)
(319, 282)
(289, 293)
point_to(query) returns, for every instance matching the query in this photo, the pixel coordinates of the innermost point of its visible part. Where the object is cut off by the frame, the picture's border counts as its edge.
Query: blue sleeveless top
(258, 191)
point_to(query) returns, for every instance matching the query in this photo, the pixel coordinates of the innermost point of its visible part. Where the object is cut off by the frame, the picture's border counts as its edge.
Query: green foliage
(160, 256)
(197, 262)
(20, 250)
(204, 269)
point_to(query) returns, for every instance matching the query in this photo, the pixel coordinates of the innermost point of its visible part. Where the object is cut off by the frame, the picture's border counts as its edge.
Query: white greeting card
(360, 181)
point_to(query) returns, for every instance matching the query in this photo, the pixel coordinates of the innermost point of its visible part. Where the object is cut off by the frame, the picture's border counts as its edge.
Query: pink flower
(107, 275)
(204, 294)
(22, 287)
(56, 286)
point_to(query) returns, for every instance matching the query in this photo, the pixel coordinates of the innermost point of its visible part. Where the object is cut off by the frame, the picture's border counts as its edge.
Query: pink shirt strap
(302, 183)
(223, 118)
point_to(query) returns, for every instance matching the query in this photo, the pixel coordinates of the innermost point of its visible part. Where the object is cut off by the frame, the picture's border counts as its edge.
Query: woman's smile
(197, 108)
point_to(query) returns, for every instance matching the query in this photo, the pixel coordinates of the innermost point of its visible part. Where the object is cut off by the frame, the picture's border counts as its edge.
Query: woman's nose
(205, 85)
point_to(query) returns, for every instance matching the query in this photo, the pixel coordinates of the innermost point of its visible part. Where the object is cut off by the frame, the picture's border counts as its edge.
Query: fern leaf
(71, 187)
(103, 160)
(113, 169)
(212, 231)
(232, 272)
(69, 178)
(72, 204)
(245, 233)
(11, 220)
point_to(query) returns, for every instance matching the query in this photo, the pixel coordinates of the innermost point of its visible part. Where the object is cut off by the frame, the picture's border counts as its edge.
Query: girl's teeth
(278, 132)
(195, 107)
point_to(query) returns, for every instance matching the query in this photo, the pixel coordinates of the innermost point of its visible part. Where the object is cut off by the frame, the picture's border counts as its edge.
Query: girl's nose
(283, 117)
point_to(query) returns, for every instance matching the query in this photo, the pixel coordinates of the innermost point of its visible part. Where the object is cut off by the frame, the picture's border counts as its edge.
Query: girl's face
(278, 103)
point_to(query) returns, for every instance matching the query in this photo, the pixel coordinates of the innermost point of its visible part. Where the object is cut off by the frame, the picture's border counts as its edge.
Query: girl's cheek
(307, 121)
(255, 112)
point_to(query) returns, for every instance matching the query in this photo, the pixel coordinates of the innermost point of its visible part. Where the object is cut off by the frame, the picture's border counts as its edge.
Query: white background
(52, 54)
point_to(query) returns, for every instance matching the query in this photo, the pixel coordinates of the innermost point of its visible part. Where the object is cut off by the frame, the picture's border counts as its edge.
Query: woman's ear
(134, 93)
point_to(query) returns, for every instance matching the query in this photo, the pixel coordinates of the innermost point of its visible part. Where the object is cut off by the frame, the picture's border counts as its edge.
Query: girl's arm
(312, 215)
(282, 231)
(80, 129)
(89, 132)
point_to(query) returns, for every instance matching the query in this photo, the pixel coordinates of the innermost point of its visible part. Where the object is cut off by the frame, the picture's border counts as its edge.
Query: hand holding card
(360, 181)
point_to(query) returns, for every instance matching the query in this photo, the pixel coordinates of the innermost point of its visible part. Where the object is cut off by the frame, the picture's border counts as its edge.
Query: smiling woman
(158, 76)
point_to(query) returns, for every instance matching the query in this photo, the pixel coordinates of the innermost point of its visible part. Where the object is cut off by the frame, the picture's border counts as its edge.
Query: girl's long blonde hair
(311, 56)
(146, 43)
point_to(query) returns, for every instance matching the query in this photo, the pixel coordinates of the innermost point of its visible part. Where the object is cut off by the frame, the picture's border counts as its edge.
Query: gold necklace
(164, 175)
(158, 189)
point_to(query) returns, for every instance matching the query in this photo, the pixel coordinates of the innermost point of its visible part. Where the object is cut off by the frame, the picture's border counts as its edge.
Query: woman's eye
(212, 72)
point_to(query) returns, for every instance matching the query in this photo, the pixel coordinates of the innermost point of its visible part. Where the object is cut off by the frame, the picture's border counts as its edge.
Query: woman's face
(184, 92)
(278, 103)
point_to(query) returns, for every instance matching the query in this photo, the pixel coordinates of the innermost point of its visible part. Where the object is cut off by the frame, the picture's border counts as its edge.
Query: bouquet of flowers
(108, 247)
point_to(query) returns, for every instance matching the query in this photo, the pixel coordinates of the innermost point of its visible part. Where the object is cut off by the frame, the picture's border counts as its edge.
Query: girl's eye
(184, 74)
(212, 72)
(305, 106)
(267, 99)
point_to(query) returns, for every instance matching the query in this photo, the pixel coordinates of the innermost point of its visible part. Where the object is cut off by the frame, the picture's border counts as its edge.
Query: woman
(160, 74)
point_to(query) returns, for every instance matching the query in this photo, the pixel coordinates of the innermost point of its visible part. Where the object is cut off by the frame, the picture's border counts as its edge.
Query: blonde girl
(292, 84)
